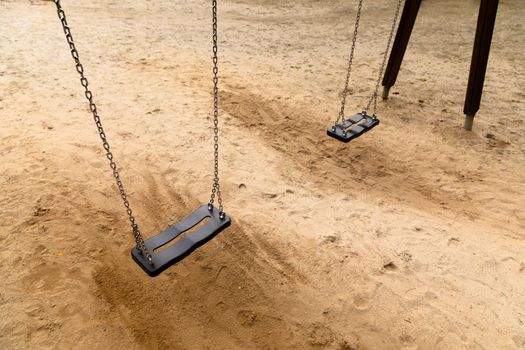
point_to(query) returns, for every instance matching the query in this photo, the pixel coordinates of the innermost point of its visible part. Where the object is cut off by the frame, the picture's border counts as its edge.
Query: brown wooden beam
(404, 30)
(480, 57)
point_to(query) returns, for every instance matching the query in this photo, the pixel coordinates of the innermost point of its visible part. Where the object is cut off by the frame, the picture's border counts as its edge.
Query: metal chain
(216, 188)
(341, 115)
(373, 97)
(89, 96)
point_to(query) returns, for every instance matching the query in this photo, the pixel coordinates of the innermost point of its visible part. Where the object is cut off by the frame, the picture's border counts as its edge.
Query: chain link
(216, 188)
(373, 97)
(341, 116)
(89, 96)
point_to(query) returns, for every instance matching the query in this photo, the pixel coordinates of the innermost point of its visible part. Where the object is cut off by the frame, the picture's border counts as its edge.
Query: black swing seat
(353, 127)
(185, 245)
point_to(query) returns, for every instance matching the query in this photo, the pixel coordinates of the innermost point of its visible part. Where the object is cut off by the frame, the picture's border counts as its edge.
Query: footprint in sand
(453, 241)
(247, 317)
(406, 256)
(511, 264)
(390, 266)
(222, 277)
(362, 301)
(320, 335)
(519, 340)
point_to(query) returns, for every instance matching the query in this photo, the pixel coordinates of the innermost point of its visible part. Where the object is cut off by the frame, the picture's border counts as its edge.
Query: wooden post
(404, 30)
(480, 56)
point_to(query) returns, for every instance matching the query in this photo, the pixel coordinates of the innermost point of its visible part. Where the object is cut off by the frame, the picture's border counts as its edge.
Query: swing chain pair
(373, 97)
(216, 189)
(341, 116)
(92, 106)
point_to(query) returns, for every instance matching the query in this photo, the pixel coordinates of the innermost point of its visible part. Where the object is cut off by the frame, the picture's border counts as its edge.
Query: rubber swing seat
(353, 127)
(185, 245)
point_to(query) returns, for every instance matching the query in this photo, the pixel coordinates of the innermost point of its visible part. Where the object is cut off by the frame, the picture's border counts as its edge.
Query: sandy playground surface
(412, 237)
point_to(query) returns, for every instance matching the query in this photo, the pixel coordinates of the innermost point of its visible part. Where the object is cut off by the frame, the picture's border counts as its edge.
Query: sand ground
(412, 237)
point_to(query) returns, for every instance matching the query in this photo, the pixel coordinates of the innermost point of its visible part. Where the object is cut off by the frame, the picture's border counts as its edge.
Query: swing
(185, 245)
(346, 130)
(151, 254)
(353, 127)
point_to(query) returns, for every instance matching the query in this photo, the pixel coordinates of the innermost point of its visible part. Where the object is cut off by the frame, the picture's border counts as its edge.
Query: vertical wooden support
(480, 56)
(404, 30)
